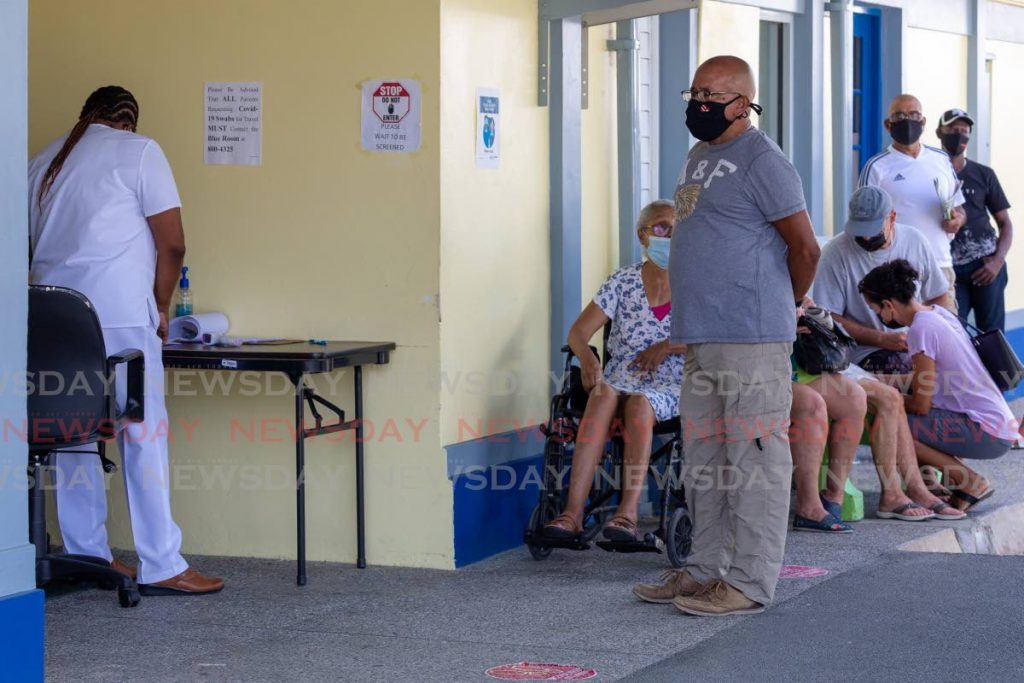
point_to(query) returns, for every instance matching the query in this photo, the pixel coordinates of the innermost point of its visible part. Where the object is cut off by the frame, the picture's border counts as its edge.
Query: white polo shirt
(91, 234)
(910, 182)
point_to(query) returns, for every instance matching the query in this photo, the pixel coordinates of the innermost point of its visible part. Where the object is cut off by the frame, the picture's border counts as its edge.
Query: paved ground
(866, 626)
(389, 624)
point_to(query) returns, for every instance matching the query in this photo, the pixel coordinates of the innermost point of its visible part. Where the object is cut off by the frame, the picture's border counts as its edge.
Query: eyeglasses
(705, 95)
(659, 229)
(898, 116)
(716, 97)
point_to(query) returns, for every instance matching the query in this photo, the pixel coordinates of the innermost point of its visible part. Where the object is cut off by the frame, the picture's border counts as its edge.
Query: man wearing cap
(915, 176)
(873, 237)
(979, 256)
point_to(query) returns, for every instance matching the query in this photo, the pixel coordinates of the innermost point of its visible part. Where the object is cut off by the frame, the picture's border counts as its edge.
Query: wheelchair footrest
(534, 539)
(650, 544)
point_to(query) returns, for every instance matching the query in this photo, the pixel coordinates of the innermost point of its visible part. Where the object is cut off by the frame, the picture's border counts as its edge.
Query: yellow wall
(322, 240)
(495, 282)
(600, 241)
(1007, 140)
(727, 29)
(936, 74)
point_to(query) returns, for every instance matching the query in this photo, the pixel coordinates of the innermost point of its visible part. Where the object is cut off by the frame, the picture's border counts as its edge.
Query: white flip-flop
(941, 505)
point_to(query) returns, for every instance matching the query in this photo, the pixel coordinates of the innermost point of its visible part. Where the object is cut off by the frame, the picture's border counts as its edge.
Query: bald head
(904, 103)
(725, 73)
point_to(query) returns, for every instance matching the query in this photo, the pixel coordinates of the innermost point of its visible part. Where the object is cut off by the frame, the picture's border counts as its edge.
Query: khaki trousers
(734, 406)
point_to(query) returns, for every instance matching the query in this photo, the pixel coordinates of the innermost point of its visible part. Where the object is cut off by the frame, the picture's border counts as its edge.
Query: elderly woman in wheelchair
(639, 384)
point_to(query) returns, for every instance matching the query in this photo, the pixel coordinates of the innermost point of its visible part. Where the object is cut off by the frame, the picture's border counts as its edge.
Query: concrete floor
(960, 619)
(391, 624)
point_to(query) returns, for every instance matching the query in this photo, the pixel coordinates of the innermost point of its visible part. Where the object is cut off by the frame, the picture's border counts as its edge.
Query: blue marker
(318, 342)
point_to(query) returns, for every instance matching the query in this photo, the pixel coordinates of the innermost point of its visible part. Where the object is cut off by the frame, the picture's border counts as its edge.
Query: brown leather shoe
(189, 582)
(717, 599)
(119, 566)
(674, 582)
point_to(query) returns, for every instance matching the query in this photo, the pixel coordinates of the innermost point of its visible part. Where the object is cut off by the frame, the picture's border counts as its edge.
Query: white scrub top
(91, 232)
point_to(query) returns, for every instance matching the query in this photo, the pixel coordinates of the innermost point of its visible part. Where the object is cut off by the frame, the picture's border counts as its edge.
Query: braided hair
(111, 103)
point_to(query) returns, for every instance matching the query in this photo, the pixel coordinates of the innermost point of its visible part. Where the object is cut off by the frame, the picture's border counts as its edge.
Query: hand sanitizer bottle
(184, 306)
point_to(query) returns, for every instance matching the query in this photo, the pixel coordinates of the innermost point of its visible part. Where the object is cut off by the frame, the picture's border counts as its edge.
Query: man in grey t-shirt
(743, 257)
(848, 257)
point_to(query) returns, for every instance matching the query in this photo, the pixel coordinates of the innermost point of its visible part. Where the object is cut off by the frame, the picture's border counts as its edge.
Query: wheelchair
(675, 529)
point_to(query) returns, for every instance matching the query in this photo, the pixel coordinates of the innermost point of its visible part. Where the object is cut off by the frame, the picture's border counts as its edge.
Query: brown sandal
(562, 527)
(620, 528)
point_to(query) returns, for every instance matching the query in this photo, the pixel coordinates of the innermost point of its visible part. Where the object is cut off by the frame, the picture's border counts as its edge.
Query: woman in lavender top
(955, 410)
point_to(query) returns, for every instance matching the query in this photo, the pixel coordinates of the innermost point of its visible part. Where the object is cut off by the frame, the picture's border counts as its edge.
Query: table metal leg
(360, 512)
(300, 482)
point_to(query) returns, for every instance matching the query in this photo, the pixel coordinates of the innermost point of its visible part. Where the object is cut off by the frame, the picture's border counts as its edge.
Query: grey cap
(869, 207)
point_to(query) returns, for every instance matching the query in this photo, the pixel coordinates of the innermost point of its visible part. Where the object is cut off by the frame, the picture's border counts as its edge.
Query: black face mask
(871, 243)
(892, 324)
(906, 132)
(706, 120)
(952, 142)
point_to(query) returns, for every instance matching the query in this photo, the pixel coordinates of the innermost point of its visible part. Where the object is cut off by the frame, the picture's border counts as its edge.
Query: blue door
(867, 88)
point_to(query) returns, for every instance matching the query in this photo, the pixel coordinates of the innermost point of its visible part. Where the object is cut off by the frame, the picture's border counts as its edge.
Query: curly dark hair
(896, 280)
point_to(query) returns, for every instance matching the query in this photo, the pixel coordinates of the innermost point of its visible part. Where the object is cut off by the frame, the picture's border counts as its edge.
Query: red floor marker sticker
(796, 571)
(528, 671)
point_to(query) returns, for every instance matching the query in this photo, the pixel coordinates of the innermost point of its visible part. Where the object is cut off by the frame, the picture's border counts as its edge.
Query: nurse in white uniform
(105, 219)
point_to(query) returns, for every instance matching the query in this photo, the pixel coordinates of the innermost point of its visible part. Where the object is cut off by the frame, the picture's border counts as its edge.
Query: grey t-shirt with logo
(730, 281)
(844, 264)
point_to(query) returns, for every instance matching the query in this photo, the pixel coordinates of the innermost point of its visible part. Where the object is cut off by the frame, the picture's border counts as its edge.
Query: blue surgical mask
(657, 250)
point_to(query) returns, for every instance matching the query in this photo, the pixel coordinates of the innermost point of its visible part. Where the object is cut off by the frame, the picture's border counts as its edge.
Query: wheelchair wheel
(128, 597)
(538, 518)
(678, 536)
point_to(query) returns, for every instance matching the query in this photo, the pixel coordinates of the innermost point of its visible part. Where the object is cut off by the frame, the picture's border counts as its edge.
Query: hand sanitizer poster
(488, 128)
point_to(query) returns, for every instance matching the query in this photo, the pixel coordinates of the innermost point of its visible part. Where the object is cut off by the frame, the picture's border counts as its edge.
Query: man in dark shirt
(979, 255)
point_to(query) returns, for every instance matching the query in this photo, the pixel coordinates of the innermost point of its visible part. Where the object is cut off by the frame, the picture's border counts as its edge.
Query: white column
(841, 23)
(977, 82)
(17, 557)
(808, 91)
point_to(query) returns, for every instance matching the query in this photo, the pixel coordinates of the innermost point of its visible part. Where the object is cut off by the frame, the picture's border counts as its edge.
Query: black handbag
(823, 349)
(998, 357)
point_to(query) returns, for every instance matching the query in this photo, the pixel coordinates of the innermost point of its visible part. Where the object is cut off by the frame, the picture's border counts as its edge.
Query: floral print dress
(634, 329)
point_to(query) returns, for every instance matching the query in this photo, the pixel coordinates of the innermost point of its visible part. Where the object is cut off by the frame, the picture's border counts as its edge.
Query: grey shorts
(957, 435)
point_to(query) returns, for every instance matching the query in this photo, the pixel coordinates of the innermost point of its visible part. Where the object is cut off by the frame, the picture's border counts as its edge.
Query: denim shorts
(956, 434)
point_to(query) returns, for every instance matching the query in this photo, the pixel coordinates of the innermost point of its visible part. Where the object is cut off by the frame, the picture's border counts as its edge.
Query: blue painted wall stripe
(21, 637)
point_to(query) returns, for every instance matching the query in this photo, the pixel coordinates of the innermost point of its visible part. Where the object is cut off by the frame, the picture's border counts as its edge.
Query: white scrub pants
(82, 496)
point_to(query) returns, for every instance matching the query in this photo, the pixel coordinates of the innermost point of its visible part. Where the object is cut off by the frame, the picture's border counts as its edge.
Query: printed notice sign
(234, 128)
(391, 116)
(488, 128)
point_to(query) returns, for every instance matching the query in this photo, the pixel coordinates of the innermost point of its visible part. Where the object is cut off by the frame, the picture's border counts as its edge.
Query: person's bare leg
(846, 404)
(882, 402)
(891, 447)
(959, 476)
(590, 444)
(908, 464)
(639, 419)
(808, 431)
